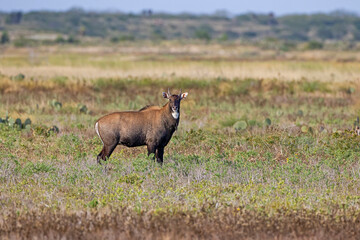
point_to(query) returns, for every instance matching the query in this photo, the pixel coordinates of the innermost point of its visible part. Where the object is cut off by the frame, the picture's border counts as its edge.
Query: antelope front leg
(160, 155)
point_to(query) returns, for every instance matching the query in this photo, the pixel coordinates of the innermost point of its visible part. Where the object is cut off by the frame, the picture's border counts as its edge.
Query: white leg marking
(97, 131)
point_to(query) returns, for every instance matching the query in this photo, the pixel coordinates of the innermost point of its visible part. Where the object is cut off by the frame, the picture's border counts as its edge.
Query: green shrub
(240, 125)
(313, 45)
(4, 38)
(20, 77)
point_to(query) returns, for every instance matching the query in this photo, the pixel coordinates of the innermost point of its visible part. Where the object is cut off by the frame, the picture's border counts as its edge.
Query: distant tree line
(335, 26)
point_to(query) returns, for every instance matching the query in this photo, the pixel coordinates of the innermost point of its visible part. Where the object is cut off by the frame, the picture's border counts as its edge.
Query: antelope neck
(174, 114)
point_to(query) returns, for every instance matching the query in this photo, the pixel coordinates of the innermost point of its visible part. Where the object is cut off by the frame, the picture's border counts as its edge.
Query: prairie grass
(290, 171)
(156, 63)
(229, 224)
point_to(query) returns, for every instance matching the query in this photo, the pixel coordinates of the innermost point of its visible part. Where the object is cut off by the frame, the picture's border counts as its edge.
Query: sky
(279, 7)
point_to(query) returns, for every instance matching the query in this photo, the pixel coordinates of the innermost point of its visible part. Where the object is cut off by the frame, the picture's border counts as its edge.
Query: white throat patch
(175, 114)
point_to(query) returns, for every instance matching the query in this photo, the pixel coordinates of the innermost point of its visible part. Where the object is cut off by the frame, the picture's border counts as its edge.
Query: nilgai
(152, 126)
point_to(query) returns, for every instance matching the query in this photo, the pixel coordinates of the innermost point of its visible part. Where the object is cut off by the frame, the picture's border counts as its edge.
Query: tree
(14, 18)
(204, 32)
(4, 38)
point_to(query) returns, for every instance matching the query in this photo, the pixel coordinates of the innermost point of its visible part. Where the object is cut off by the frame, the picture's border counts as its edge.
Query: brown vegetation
(228, 224)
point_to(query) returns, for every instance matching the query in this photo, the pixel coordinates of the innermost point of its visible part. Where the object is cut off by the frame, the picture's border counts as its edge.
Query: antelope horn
(169, 92)
(180, 92)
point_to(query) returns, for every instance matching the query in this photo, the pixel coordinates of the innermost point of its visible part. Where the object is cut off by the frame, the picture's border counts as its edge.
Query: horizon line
(154, 11)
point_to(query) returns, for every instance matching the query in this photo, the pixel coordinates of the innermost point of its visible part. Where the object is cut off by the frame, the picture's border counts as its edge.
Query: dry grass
(229, 224)
(193, 61)
(287, 71)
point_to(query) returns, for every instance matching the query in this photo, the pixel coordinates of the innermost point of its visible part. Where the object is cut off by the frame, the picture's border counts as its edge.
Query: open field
(170, 60)
(265, 147)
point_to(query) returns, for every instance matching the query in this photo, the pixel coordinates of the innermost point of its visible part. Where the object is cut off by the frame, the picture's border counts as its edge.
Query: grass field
(265, 147)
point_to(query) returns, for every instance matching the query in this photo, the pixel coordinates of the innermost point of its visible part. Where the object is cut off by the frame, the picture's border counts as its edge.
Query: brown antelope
(152, 126)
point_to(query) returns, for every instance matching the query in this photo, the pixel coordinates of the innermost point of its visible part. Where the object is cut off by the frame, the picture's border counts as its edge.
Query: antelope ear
(184, 95)
(165, 95)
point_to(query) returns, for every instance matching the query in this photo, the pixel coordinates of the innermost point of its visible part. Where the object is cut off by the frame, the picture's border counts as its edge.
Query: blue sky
(194, 6)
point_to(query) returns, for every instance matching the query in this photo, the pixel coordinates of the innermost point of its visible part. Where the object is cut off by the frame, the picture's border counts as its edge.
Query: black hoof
(99, 160)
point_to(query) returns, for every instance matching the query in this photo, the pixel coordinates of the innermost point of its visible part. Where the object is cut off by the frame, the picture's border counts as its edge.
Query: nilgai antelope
(152, 126)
